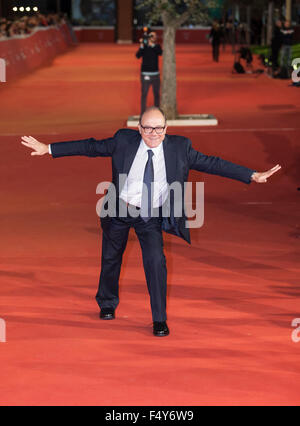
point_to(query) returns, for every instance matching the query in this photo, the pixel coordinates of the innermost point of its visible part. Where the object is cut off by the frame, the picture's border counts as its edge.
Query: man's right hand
(39, 148)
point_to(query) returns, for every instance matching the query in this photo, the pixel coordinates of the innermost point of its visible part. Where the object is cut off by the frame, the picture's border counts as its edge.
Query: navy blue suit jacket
(180, 158)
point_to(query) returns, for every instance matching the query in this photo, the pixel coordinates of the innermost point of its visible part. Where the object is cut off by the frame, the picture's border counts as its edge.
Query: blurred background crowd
(26, 24)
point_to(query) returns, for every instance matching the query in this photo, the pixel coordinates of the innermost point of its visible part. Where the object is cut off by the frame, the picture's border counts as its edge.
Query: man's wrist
(253, 176)
(49, 149)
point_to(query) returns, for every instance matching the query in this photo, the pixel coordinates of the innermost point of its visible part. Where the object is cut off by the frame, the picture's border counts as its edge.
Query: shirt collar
(156, 151)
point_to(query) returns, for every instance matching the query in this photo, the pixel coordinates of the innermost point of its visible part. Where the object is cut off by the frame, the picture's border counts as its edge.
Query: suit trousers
(286, 56)
(146, 82)
(114, 240)
(275, 55)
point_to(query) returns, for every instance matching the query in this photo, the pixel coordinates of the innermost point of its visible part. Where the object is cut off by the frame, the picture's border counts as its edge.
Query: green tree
(173, 14)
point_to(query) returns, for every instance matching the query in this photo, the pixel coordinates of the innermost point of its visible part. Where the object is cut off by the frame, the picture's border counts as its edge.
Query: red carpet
(232, 295)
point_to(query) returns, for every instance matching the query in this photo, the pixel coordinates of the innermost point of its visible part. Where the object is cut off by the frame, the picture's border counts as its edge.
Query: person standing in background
(287, 34)
(216, 36)
(149, 51)
(276, 45)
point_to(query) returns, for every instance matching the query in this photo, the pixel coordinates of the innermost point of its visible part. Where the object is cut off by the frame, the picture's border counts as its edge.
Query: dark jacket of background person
(287, 35)
(150, 56)
(216, 35)
(277, 38)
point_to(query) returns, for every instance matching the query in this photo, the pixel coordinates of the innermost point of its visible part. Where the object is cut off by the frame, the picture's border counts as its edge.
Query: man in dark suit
(145, 156)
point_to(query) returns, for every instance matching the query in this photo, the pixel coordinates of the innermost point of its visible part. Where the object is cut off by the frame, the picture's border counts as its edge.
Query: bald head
(153, 111)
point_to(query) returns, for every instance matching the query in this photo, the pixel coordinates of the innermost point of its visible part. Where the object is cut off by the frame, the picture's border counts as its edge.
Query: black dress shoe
(107, 314)
(160, 329)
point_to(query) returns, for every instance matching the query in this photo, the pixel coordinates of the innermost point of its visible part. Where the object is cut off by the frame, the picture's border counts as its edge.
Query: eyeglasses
(158, 130)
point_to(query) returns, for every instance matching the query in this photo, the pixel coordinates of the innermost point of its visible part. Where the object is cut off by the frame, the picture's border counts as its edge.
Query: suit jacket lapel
(170, 160)
(131, 153)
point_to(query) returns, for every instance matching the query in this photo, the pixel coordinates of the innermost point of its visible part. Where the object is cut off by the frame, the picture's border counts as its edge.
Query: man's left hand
(262, 177)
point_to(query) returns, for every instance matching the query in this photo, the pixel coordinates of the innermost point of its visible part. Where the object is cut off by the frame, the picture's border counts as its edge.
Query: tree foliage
(177, 12)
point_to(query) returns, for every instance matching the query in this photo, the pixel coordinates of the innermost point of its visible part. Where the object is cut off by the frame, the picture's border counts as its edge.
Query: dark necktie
(146, 193)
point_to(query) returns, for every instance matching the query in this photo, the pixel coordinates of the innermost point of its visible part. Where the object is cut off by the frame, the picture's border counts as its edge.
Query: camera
(146, 36)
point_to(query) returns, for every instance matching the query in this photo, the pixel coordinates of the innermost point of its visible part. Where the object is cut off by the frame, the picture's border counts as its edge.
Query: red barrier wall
(95, 34)
(107, 35)
(30, 52)
(183, 35)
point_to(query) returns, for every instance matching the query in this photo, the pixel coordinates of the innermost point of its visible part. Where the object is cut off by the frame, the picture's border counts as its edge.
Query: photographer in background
(149, 50)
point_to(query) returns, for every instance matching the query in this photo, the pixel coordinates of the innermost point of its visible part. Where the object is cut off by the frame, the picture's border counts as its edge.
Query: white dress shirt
(132, 190)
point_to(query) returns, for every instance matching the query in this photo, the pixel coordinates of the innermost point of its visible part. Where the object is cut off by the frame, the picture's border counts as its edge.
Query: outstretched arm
(87, 147)
(218, 166)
